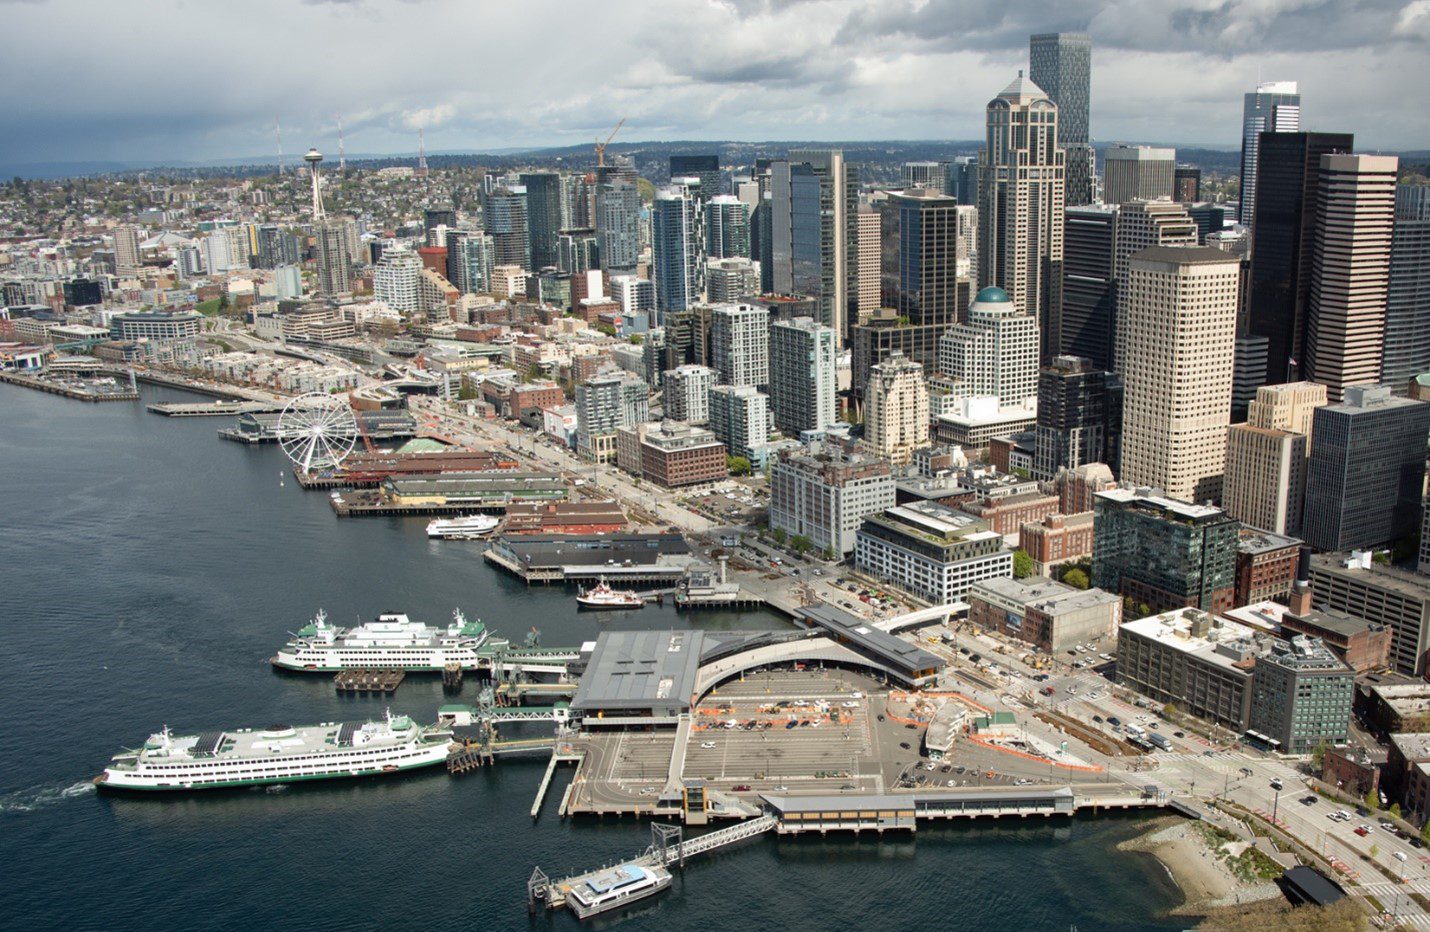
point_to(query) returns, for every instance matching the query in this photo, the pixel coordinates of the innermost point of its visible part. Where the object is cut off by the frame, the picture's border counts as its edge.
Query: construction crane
(601, 146)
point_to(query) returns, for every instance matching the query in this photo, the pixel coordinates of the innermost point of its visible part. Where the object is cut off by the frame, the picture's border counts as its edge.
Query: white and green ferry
(281, 754)
(392, 641)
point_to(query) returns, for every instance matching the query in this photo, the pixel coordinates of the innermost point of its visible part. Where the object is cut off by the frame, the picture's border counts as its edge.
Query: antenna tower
(342, 159)
(421, 153)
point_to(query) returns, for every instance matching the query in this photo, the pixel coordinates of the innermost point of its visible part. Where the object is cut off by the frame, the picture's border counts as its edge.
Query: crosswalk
(1395, 898)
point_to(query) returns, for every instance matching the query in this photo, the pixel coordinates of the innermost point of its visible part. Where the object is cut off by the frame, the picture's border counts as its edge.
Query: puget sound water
(148, 570)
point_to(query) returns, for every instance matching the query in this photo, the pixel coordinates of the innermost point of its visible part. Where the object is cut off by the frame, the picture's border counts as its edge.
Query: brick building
(1057, 539)
(671, 454)
(1363, 645)
(1008, 514)
(1352, 770)
(1265, 566)
(565, 518)
(1076, 488)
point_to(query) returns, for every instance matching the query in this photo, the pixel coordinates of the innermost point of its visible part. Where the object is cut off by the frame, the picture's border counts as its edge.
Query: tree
(829, 553)
(1372, 801)
(467, 391)
(738, 465)
(1022, 564)
(1425, 832)
(1318, 756)
(1394, 810)
(801, 544)
(1076, 578)
(779, 535)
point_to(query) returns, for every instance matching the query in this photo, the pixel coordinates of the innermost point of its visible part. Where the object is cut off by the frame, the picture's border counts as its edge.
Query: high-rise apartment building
(395, 280)
(1367, 470)
(335, 268)
(1350, 271)
(606, 403)
(687, 393)
(470, 261)
(676, 253)
(1142, 225)
(802, 376)
(704, 167)
(1079, 416)
(1162, 552)
(543, 216)
(1085, 320)
(824, 494)
(1274, 107)
(1407, 307)
(618, 214)
(505, 212)
(1180, 318)
(740, 418)
(896, 415)
(868, 222)
(739, 345)
(995, 352)
(727, 228)
(1283, 244)
(729, 281)
(1137, 173)
(1061, 64)
(126, 248)
(1020, 201)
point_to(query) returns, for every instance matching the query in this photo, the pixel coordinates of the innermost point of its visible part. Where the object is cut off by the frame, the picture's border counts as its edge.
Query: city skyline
(833, 70)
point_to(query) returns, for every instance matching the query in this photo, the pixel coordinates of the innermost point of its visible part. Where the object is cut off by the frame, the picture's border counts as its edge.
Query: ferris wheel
(317, 431)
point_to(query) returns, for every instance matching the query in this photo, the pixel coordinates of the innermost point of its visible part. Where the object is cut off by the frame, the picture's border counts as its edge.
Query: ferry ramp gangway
(689, 847)
(525, 714)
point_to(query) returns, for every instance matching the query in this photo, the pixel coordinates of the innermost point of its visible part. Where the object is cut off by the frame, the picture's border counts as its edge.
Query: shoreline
(1205, 882)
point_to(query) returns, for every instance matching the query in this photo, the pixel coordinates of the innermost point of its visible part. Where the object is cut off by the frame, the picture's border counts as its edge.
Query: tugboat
(602, 596)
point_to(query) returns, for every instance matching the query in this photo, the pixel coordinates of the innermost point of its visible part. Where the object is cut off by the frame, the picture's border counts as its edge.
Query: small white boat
(602, 596)
(470, 527)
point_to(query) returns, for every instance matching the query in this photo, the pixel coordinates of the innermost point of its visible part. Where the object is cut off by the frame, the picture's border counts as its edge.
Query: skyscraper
(870, 256)
(1180, 318)
(1275, 107)
(962, 183)
(896, 419)
(687, 393)
(1061, 64)
(740, 417)
(919, 256)
(1187, 184)
(802, 377)
(506, 222)
(1265, 483)
(677, 264)
(727, 228)
(704, 167)
(1079, 416)
(469, 261)
(1283, 243)
(1142, 225)
(814, 232)
(1367, 470)
(1020, 193)
(126, 248)
(728, 281)
(543, 216)
(740, 345)
(1137, 173)
(1407, 309)
(1085, 321)
(931, 176)
(618, 214)
(1350, 271)
(995, 351)
(394, 281)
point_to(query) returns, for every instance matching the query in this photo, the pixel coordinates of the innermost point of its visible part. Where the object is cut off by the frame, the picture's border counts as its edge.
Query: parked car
(741, 787)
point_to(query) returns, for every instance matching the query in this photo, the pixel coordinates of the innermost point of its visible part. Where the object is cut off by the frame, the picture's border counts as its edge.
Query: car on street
(1362, 830)
(707, 745)
(1097, 719)
(1179, 734)
(741, 787)
(1113, 721)
(1308, 800)
(1276, 783)
(904, 745)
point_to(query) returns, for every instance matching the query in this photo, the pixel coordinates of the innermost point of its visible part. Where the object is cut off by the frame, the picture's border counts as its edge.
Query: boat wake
(41, 797)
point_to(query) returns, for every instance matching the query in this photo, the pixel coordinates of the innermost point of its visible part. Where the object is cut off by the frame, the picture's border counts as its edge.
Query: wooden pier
(452, 677)
(369, 680)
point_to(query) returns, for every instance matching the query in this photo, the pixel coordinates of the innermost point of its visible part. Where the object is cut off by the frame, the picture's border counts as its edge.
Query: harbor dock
(367, 680)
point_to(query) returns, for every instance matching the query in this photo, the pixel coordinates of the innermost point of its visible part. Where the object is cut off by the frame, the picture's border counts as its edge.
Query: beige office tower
(126, 249)
(1181, 339)
(896, 419)
(1020, 202)
(1141, 225)
(1265, 484)
(1350, 271)
(1291, 406)
(869, 257)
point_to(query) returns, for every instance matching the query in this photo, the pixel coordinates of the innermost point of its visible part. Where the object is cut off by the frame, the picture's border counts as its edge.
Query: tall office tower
(578, 202)
(1137, 173)
(618, 216)
(762, 241)
(728, 281)
(1265, 483)
(394, 281)
(1162, 552)
(1079, 416)
(126, 248)
(470, 261)
(1350, 271)
(1142, 225)
(1020, 201)
(1180, 320)
(704, 167)
(814, 233)
(1275, 107)
(740, 417)
(434, 217)
(1291, 406)
(543, 216)
(1187, 184)
(740, 344)
(677, 262)
(727, 228)
(868, 220)
(995, 351)
(967, 241)
(896, 416)
(931, 176)
(1061, 64)
(1407, 308)
(1367, 470)
(1288, 173)
(605, 404)
(1085, 320)
(505, 213)
(802, 375)
(1248, 372)
(687, 393)
(919, 256)
(962, 180)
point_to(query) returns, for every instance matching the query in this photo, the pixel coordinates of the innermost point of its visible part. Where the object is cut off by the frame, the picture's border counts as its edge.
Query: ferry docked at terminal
(622, 884)
(392, 641)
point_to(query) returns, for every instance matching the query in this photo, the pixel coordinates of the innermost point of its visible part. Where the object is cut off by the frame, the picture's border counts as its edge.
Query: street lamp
(1275, 806)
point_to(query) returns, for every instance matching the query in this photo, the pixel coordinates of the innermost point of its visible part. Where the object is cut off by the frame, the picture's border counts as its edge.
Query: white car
(708, 745)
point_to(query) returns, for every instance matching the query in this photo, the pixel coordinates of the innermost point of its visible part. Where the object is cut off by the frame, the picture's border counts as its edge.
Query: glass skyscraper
(1061, 64)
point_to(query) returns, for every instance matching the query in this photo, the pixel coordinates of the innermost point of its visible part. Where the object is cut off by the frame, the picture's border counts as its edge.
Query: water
(149, 571)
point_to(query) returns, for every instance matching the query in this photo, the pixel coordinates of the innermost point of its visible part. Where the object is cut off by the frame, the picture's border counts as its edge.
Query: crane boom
(601, 146)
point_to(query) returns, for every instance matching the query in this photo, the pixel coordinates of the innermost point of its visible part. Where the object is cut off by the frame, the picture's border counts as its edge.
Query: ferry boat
(602, 596)
(470, 527)
(616, 887)
(280, 754)
(393, 640)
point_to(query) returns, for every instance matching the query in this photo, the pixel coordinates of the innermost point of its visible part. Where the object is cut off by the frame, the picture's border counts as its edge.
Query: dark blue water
(148, 569)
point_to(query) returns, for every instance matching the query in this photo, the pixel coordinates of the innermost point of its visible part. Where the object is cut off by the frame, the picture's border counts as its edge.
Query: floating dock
(368, 680)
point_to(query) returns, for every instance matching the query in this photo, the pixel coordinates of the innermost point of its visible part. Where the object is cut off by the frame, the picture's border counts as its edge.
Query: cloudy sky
(204, 79)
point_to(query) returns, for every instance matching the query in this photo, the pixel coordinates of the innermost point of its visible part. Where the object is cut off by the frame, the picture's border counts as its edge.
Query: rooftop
(640, 670)
(1412, 745)
(1220, 642)
(1263, 616)
(1155, 500)
(1407, 583)
(863, 637)
(1253, 541)
(1046, 595)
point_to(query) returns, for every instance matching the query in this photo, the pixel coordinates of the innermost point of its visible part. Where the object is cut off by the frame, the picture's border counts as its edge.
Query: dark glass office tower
(434, 218)
(1061, 64)
(1282, 243)
(918, 257)
(1085, 324)
(704, 167)
(543, 216)
(1077, 421)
